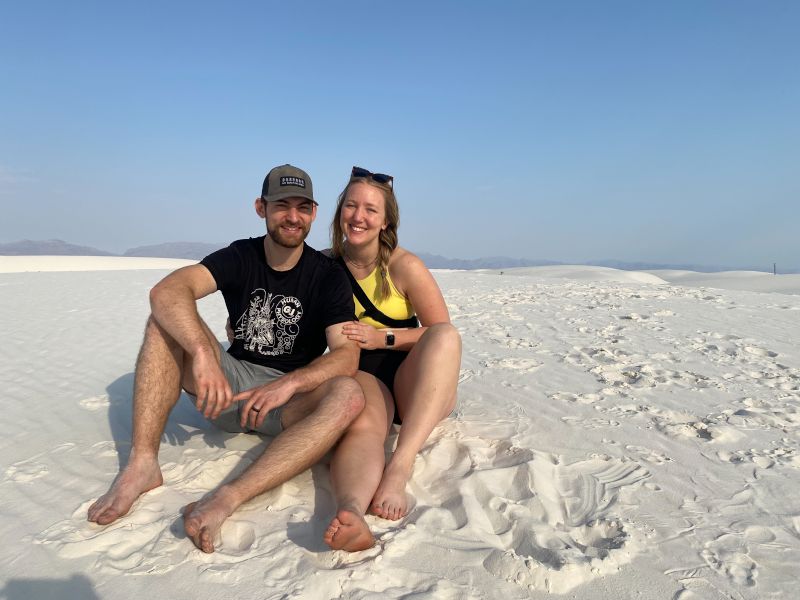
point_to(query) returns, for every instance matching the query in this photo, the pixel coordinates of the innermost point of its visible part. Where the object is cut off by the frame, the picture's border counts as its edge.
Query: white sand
(618, 437)
(25, 264)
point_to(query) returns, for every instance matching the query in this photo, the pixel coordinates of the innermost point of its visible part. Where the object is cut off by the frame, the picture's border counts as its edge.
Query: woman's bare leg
(425, 393)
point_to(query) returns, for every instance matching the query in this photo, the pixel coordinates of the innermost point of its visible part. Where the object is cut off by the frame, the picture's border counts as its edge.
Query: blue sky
(570, 131)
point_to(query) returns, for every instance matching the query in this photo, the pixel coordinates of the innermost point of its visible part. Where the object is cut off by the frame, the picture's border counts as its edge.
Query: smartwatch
(389, 339)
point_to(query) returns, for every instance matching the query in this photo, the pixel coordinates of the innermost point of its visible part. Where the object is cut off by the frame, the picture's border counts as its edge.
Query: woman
(408, 373)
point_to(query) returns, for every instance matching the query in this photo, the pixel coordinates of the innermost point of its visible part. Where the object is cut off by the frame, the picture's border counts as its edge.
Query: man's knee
(152, 327)
(346, 399)
(155, 332)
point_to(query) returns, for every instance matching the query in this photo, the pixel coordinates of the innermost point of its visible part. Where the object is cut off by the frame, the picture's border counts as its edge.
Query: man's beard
(276, 236)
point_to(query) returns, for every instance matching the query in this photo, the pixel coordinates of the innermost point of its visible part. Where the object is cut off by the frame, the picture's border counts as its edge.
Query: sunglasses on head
(359, 173)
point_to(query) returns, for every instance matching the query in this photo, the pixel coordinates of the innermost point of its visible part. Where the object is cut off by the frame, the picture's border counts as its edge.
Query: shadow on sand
(308, 534)
(184, 422)
(74, 588)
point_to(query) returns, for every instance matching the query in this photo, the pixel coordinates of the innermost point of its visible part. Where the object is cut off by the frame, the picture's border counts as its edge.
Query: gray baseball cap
(287, 181)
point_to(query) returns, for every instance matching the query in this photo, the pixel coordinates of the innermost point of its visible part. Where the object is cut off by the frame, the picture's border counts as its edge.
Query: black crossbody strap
(370, 309)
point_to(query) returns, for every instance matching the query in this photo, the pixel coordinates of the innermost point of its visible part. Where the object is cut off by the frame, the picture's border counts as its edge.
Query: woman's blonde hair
(387, 241)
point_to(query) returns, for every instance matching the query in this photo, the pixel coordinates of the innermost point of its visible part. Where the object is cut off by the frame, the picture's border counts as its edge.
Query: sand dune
(617, 437)
(754, 281)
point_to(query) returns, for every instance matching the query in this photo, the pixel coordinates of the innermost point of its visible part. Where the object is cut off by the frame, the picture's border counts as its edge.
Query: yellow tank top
(395, 306)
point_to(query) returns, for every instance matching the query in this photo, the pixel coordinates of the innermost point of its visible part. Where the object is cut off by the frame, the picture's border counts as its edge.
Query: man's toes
(100, 506)
(206, 543)
(107, 516)
(189, 524)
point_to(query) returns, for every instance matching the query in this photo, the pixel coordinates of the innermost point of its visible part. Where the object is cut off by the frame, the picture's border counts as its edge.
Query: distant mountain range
(197, 250)
(193, 250)
(434, 261)
(49, 248)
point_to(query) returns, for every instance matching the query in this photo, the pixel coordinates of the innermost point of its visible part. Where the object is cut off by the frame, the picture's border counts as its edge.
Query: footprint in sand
(728, 555)
(517, 364)
(634, 317)
(590, 423)
(762, 414)
(688, 429)
(755, 350)
(34, 467)
(25, 471)
(651, 456)
(465, 375)
(763, 459)
(95, 402)
(105, 449)
(587, 398)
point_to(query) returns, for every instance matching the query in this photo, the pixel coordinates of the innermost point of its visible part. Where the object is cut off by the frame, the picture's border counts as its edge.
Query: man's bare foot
(390, 500)
(348, 531)
(138, 477)
(202, 520)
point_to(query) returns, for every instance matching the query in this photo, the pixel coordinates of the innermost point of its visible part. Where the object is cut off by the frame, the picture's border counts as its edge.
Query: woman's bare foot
(138, 477)
(348, 531)
(202, 520)
(390, 500)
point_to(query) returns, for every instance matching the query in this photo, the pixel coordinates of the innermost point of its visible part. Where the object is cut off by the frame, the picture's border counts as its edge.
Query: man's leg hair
(313, 422)
(357, 467)
(157, 386)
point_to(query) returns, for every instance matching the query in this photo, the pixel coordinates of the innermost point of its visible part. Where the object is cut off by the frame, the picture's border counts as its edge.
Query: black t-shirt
(279, 317)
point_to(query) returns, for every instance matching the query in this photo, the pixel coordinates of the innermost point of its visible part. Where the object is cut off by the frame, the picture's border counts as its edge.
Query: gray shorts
(243, 375)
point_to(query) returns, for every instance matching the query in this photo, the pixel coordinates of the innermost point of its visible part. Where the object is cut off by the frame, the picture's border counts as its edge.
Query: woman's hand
(229, 331)
(366, 336)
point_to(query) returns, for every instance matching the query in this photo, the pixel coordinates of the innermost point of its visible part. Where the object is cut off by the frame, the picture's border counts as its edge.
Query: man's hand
(366, 336)
(260, 400)
(213, 391)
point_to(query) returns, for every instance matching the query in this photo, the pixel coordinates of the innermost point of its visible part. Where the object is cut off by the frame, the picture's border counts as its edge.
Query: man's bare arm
(341, 360)
(173, 302)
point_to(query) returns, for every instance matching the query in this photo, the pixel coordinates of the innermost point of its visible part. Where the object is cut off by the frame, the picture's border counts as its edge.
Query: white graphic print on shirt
(269, 326)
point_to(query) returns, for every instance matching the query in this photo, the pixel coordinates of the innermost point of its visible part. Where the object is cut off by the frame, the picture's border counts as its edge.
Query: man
(286, 303)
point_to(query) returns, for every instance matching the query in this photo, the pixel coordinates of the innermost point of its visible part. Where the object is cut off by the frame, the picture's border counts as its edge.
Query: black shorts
(383, 364)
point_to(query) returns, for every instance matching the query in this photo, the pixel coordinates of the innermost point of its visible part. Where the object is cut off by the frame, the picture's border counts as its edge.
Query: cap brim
(292, 194)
